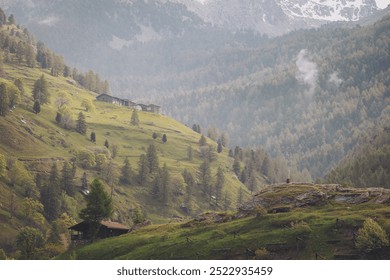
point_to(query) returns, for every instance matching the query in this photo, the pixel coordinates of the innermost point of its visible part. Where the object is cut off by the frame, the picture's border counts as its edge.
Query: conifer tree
(81, 125)
(126, 173)
(219, 148)
(165, 178)
(67, 179)
(202, 141)
(37, 107)
(20, 86)
(204, 174)
(219, 185)
(236, 167)
(106, 144)
(93, 137)
(40, 90)
(84, 181)
(4, 100)
(99, 207)
(164, 138)
(152, 157)
(143, 170)
(51, 195)
(134, 117)
(58, 117)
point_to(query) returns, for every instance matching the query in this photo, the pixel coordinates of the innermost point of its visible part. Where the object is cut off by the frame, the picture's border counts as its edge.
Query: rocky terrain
(285, 197)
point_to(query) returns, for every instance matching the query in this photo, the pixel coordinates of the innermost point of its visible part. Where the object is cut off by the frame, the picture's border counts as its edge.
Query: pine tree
(37, 107)
(11, 19)
(99, 207)
(84, 181)
(67, 179)
(106, 144)
(51, 195)
(40, 90)
(154, 135)
(58, 118)
(224, 139)
(93, 137)
(202, 141)
(134, 118)
(165, 177)
(164, 138)
(152, 157)
(81, 125)
(20, 85)
(265, 168)
(4, 100)
(205, 176)
(126, 173)
(138, 216)
(236, 167)
(143, 170)
(219, 148)
(219, 185)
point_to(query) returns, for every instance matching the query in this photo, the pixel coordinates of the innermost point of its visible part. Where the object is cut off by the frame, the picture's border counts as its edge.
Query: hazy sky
(380, 3)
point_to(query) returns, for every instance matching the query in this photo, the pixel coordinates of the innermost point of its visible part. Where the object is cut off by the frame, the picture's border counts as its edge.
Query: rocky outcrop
(289, 196)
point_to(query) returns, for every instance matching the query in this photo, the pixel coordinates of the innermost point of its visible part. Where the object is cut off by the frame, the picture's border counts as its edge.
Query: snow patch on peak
(329, 10)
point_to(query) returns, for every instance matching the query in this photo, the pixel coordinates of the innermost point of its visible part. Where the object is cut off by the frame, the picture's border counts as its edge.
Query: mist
(307, 71)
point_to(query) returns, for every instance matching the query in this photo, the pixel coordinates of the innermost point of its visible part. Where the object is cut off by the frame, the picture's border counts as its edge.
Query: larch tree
(37, 107)
(127, 173)
(99, 207)
(134, 118)
(81, 124)
(40, 90)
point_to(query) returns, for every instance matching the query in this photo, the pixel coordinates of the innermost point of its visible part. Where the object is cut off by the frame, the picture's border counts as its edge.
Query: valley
(192, 127)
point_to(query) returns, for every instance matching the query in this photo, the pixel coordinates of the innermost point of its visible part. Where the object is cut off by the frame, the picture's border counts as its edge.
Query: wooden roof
(108, 224)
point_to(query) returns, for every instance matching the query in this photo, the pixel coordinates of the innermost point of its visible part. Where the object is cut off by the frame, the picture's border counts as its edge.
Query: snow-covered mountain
(275, 17)
(329, 10)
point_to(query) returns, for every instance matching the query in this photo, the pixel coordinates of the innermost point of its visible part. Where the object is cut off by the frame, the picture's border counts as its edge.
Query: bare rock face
(284, 197)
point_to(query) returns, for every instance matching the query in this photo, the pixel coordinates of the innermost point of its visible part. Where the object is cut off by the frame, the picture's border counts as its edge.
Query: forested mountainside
(309, 96)
(368, 164)
(299, 96)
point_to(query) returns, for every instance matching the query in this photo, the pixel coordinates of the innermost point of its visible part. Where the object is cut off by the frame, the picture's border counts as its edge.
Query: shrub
(371, 237)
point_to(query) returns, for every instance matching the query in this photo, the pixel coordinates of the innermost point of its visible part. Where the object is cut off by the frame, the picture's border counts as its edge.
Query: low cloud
(49, 21)
(307, 71)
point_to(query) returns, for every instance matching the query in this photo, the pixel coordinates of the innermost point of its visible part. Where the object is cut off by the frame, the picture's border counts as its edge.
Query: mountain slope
(288, 229)
(33, 142)
(309, 95)
(367, 165)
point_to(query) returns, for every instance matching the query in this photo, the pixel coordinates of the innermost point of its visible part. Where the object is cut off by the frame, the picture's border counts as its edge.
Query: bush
(85, 159)
(371, 237)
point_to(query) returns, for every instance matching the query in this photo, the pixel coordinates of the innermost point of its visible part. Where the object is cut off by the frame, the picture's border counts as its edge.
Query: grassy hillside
(36, 141)
(325, 229)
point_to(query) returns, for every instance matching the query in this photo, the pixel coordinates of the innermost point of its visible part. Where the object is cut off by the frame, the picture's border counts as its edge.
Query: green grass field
(300, 234)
